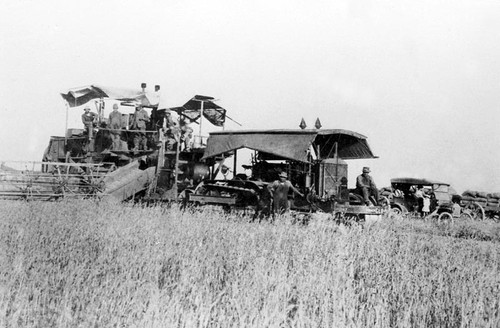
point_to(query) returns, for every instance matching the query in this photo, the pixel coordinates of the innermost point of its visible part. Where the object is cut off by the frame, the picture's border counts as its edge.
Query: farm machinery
(314, 161)
(176, 164)
(480, 205)
(86, 163)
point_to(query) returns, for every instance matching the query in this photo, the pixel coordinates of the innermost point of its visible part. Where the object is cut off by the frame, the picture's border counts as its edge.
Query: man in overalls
(88, 119)
(279, 190)
(115, 124)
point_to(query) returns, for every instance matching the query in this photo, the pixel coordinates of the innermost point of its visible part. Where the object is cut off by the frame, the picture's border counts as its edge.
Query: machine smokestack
(317, 124)
(302, 124)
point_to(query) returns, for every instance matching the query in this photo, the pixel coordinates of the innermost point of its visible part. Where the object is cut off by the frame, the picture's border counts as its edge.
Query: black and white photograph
(330, 163)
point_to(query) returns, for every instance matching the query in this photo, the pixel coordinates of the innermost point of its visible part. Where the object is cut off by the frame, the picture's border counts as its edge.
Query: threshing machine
(87, 163)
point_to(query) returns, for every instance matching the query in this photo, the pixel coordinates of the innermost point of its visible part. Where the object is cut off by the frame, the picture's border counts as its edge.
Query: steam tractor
(314, 161)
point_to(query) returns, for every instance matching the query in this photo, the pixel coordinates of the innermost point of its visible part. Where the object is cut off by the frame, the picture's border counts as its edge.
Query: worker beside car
(366, 186)
(418, 195)
(426, 203)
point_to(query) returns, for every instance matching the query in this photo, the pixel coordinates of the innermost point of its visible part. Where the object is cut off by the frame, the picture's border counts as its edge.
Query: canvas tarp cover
(287, 145)
(347, 144)
(292, 144)
(211, 111)
(82, 95)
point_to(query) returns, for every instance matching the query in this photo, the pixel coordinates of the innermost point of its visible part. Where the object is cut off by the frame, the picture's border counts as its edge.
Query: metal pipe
(66, 127)
(176, 172)
(201, 119)
(308, 176)
(59, 163)
(235, 162)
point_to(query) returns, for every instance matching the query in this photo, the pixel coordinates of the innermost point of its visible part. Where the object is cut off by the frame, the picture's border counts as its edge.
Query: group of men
(182, 135)
(116, 124)
(175, 134)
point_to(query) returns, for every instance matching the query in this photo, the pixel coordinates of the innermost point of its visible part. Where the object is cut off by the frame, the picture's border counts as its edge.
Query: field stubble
(88, 264)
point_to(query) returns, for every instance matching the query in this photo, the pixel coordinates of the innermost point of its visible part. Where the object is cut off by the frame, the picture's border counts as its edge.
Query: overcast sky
(421, 79)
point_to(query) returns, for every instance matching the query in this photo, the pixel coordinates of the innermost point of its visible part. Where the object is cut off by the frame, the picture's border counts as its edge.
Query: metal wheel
(393, 215)
(432, 216)
(202, 190)
(398, 211)
(385, 203)
(465, 217)
(475, 210)
(445, 217)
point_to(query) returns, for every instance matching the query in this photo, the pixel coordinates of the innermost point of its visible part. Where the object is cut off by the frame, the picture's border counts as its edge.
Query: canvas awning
(211, 111)
(285, 144)
(347, 144)
(80, 96)
(291, 144)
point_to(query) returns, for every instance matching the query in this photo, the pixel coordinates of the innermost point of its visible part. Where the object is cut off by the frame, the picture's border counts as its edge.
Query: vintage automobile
(404, 199)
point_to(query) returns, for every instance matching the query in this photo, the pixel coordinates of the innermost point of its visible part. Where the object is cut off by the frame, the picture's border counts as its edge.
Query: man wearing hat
(279, 190)
(168, 121)
(366, 186)
(115, 124)
(88, 119)
(141, 117)
(187, 137)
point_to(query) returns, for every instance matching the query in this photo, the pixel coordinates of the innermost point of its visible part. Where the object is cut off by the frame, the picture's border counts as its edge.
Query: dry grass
(85, 264)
